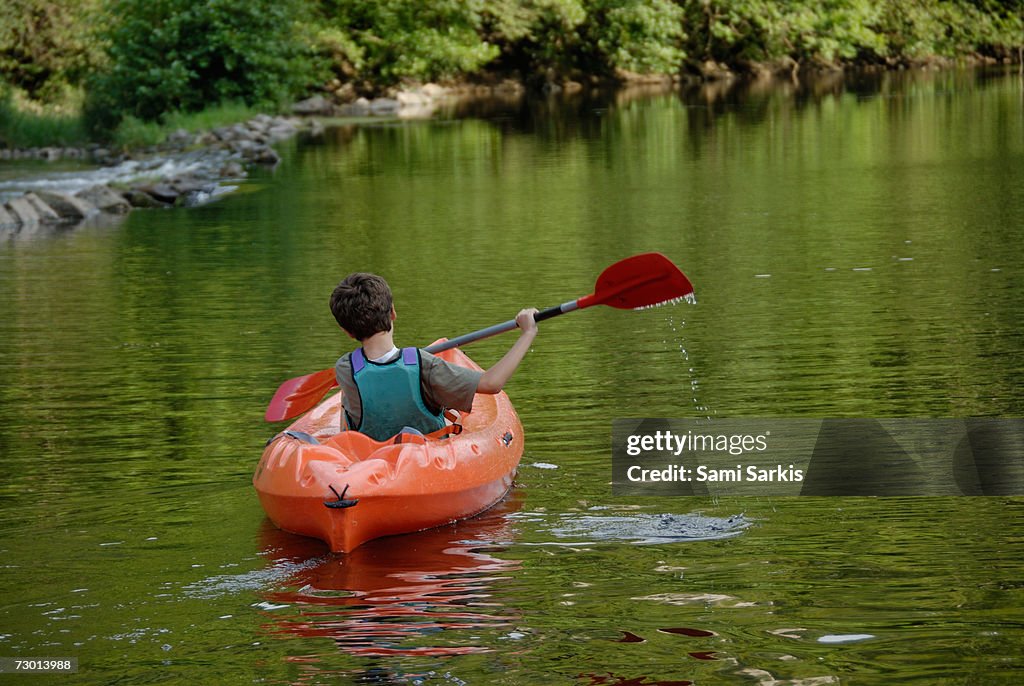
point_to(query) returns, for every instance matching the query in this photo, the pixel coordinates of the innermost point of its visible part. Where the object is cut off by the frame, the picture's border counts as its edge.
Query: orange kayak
(345, 488)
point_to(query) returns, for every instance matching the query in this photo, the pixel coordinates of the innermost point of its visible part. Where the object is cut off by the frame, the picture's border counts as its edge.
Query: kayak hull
(391, 488)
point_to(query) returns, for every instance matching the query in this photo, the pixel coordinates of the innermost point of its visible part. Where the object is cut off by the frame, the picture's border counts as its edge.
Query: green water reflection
(855, 246)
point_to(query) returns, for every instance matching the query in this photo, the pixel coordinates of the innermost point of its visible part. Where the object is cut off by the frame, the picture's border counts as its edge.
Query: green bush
(576, 38)
(384, 41)
(952, 28)
(641, 36)
(180, 55)
(760, 30)
(538, 37)
(380, 43)
(835, 31)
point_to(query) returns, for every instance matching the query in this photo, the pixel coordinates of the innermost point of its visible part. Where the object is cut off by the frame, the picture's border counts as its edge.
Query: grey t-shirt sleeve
(351, 402)
(447, 385)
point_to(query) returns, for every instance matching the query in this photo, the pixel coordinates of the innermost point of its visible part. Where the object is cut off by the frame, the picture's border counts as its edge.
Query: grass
(134, 133)
(25, 123)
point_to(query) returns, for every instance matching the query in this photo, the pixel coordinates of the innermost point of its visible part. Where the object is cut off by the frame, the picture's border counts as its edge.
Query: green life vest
(391, 396)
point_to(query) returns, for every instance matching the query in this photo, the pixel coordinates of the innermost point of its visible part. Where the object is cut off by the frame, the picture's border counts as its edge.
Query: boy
(388, 390)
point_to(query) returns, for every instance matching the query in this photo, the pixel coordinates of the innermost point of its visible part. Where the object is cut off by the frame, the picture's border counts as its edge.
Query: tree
(180, 55)
(46, 45)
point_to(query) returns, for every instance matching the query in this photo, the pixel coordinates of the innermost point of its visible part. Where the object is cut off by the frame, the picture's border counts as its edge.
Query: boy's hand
(525, 320)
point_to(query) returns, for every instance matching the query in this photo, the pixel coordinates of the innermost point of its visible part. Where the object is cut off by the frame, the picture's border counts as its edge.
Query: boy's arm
(495, 378)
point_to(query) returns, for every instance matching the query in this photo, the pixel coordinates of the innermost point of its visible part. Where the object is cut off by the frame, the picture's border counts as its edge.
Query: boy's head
(362, 305)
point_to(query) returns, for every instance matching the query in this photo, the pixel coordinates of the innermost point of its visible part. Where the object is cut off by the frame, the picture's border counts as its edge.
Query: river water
(856, 251)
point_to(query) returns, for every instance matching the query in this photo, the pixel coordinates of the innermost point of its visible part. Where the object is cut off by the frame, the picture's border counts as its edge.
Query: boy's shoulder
(343, 367)
(434, 365)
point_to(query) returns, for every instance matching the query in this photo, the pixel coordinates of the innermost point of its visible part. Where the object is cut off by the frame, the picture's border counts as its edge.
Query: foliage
(152, 58)
(179, 55)
(46, 45)
(537, 36)
(949, 29)
(383, 42)
(757, 30)
(845, 30)
(387, 40)
(643, 37)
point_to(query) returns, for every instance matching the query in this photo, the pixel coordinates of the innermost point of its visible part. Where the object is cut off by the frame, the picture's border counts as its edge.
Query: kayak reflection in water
(413, 595)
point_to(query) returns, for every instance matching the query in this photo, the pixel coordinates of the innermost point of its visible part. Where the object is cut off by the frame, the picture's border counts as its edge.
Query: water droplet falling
(677, 330)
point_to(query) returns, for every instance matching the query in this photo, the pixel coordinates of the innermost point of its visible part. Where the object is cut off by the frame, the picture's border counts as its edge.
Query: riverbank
(187, 169)
(191, 168)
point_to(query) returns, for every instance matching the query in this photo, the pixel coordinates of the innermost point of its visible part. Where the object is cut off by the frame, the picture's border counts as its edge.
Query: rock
(257, 126)
(713, 71)
(104, 198)
(23, 211)
(510, 87)
(417, 111)
(45, 212)
(411, 99)
(140, 198)
(316, 129)
(382, 106)
(189, 183)
(318, 104)
(236, 132)
(433, 91)
(346, 93)
(264, 154)
(280, 133)
(283, 125)
(179, 136)
(161, 191)
(232, 170)
(191, 198)
(192, 190)
(68, 206)
(243, 147)
(151, 164)
(6, 220)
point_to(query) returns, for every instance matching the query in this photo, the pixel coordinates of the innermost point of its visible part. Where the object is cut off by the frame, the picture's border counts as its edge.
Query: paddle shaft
(460, 341)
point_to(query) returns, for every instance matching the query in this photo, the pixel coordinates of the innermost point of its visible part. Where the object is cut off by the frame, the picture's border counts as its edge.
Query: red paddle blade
(637, 282)
(297, 395)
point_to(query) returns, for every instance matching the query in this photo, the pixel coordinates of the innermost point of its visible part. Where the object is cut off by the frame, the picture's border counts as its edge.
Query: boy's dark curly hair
(362, 305)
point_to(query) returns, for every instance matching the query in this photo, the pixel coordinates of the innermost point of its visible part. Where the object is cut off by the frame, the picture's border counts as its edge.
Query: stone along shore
(191, 169)
(187, 169)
